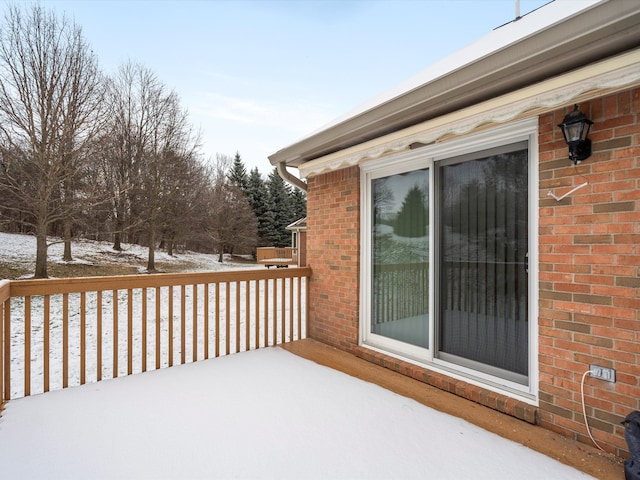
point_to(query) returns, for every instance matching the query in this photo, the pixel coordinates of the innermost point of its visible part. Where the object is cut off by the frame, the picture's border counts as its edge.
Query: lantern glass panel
(573, 131)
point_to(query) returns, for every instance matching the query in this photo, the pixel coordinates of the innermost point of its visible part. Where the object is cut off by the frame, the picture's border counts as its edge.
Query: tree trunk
(117, 241)
(117, 235)
(41, 252)
(66, 256)
(151, 262)
(67, 200)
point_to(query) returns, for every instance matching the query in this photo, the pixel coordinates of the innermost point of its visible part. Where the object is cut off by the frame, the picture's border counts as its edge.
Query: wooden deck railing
(60, 332)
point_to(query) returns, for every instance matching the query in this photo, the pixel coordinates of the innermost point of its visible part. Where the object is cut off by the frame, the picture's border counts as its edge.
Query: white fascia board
(593, 81)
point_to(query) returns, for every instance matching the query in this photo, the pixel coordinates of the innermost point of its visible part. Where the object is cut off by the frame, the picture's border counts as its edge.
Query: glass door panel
(400, 257)
(482, 289)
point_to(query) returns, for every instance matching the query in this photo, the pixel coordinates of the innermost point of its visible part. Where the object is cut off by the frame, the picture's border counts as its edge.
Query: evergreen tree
(238, 174)
(299, 204)
(258, 197)
(275, 205)
(413, 217)
(280, 205)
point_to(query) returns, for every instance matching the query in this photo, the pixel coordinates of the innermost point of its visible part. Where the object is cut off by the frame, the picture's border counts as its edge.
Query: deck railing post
(5, 300)
(2, 303)
(306, 306)
(7, 350)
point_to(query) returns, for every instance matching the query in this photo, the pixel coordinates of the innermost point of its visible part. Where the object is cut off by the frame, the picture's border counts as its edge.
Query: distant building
(298, 231)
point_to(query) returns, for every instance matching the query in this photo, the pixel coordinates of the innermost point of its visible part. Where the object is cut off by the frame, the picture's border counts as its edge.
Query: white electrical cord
(584, 411)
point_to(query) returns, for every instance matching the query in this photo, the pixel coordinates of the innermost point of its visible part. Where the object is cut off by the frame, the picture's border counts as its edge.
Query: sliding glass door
(447, 232)
(482, 269)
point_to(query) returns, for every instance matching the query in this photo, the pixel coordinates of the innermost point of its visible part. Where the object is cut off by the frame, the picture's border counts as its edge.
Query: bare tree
(151, 143)
(185, 208)
(232, 222)
(172, 146)
(125, 139)
(49, 93)
(82, 119)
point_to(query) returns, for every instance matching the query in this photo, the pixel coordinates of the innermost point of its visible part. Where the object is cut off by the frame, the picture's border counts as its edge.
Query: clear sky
(258, 75)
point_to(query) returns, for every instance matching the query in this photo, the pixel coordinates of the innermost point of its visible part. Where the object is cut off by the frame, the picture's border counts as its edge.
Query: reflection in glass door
(482, 248)
(400, 257)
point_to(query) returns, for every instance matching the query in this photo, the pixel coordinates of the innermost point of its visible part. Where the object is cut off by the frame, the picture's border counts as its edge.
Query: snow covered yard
(20, 251)
(264, 414)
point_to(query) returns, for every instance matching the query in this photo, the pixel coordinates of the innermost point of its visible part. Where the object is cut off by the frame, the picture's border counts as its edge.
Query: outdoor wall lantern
(575, 128)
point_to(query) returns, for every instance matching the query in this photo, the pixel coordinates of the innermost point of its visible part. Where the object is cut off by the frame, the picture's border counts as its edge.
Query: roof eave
(602, 31)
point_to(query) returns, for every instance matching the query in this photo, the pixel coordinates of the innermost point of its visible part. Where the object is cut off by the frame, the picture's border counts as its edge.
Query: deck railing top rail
(21, 288)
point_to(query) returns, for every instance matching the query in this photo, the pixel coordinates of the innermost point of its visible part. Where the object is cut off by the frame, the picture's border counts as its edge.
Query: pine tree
(238, 174)
(258, 196)
(299, 204)
(280, 205)
(413, 217)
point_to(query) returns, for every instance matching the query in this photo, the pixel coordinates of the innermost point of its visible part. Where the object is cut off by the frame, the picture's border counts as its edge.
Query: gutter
(287, 176)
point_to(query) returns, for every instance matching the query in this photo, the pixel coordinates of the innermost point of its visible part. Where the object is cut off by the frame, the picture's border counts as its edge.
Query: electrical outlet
(603, 373)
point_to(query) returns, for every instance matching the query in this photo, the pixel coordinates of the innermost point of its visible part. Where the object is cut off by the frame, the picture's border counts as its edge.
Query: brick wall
(333, 212)
(589, 276)
(590, 272)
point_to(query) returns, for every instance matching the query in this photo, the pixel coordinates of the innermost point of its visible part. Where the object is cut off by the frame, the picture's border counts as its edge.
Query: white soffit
(580, 85)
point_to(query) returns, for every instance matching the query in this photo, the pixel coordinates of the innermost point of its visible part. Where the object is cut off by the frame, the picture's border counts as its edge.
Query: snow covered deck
(266, 414)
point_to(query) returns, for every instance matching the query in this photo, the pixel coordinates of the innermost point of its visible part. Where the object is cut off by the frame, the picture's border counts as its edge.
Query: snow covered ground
(264, 414)
(21, 249)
